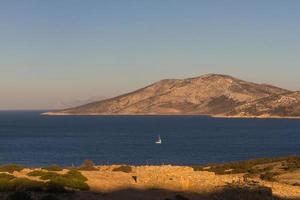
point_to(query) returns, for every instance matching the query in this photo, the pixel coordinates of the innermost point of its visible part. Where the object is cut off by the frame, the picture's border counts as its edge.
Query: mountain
(280, 105)
(212, 94)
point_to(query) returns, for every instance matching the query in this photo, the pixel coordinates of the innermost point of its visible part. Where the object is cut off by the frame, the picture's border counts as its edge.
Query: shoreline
(200, 115)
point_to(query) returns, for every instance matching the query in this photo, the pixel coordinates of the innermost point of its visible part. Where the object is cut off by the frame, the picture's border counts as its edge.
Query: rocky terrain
(212, 94)
(261, 179)
(186, 180)
(281, 105)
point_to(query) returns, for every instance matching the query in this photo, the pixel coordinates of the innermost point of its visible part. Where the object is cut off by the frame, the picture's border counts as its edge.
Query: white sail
(159, 140)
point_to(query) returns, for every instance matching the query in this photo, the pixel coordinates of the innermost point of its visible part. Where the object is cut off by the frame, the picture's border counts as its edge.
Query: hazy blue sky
(55, 51)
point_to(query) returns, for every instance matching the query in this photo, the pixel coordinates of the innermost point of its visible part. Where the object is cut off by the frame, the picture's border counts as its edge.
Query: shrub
(74, 174)
(123, 168)
(53, 168)
(43, 175)
(11, 168)
(54, 187)
(4, 181)
(88, 165)
(242, 166)
(254, 171)
(5, 176)
(20, 184)
(11, 183)
(292, 164)
(24, 184)
(199, 168)
(57, 182)
(268, 176)
(4, 185)
(61, 182)
(73, 179)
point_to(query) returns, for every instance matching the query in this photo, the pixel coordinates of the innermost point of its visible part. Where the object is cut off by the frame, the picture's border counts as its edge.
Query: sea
(31, 139)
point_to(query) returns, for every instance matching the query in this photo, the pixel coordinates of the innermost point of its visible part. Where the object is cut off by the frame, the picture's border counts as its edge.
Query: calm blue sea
(28, 138)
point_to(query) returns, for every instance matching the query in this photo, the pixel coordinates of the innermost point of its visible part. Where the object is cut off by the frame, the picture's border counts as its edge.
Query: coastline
(119, 114)
(254, 117)
(156, 114)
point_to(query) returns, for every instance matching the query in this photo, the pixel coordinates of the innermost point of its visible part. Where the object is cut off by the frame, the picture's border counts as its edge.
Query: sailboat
(158, 141)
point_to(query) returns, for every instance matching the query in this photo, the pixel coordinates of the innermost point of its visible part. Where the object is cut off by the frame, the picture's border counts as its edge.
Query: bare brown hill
(211, 94)
(281, 105)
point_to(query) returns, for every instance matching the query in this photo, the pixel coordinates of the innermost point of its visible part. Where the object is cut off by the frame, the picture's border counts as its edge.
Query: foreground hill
(211, 94)
(258, 179)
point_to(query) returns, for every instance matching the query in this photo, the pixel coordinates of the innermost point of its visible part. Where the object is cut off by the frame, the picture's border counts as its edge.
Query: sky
(54, 53)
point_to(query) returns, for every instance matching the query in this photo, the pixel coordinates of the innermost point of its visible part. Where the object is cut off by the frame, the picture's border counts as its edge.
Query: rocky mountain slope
(212, 94)
(281, 105)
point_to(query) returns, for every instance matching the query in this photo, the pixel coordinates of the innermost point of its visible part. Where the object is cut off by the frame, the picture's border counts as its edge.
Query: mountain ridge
(210, 94)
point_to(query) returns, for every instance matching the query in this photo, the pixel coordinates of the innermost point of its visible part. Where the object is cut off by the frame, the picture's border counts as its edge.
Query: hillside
(211, 94)
(257, 179)
(281, 105)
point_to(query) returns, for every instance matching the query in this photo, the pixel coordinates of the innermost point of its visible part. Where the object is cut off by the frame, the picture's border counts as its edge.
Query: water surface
(28, 138)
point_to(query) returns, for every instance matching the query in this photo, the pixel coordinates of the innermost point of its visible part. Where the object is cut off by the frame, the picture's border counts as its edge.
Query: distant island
(213, 95)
